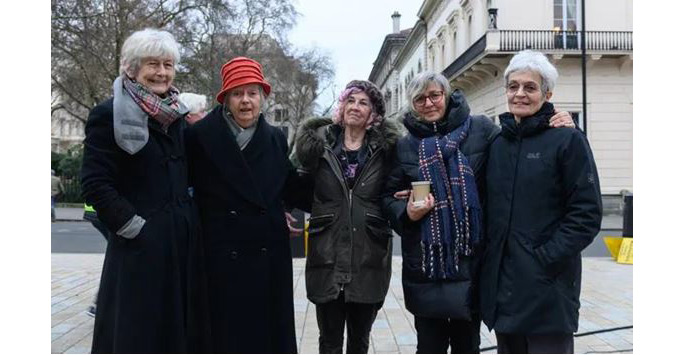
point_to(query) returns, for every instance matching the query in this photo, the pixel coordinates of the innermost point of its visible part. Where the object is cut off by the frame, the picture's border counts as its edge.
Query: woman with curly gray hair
(134, 174)
(348, 266)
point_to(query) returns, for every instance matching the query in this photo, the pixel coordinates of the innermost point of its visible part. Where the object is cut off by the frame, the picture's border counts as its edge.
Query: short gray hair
(194, 102)
(147, 43)
(421, 81)
(537, 62)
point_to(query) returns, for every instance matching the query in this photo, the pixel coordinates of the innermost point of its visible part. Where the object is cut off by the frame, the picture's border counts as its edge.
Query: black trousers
(332, 316)
(535, 344)
(435, 335)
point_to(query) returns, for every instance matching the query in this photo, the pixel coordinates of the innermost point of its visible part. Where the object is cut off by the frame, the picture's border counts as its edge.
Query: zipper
(510, 213)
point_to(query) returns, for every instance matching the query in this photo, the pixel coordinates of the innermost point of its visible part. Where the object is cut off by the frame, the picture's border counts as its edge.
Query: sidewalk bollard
(627, 216)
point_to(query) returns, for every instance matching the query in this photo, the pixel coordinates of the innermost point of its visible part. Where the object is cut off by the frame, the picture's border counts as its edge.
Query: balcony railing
(514, 40)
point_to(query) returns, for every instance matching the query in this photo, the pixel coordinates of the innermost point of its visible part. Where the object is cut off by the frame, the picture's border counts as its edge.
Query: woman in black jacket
(134, 174)
(348, 267)
(241, 177)
(544, 207)
(440, 246)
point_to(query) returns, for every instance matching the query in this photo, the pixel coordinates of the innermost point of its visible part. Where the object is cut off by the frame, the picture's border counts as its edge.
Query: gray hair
(537, 62)
(194, 102)
(147, 43)
(420, 83)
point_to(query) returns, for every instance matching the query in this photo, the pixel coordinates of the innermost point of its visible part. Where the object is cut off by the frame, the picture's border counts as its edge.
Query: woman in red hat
(241, 176)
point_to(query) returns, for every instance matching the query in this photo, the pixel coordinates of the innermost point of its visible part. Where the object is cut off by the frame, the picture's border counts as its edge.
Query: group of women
(497, 239)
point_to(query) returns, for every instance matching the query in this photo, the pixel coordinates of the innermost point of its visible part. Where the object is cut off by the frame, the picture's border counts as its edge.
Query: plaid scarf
(453, 225)
(165, 111)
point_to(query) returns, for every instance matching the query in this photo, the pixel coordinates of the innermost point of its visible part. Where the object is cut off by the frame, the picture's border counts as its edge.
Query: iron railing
(516, 40)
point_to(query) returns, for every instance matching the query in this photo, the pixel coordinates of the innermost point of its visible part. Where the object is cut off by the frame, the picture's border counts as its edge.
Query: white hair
(147, 43)
(537, 62)
(195, 103)
(421, 82)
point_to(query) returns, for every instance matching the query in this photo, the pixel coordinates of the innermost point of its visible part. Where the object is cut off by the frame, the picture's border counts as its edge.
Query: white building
(472, 41)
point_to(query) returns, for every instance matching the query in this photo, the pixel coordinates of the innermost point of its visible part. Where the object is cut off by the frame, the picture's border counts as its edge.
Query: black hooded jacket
(350, 241)
(424, 297)
(543, 208)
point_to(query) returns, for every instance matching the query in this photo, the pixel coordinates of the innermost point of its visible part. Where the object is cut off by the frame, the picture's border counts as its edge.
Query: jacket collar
(528, 126)
(456, 113)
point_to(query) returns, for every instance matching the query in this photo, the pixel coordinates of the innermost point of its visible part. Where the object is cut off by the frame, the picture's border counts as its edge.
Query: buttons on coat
(233, 255)
(233, 213)
(264, 250)
(262, 211)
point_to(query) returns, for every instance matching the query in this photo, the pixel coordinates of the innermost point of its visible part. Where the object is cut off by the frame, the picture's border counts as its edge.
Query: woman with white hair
(134, 174)
(544, 208)
(448, 147)
(196, 104)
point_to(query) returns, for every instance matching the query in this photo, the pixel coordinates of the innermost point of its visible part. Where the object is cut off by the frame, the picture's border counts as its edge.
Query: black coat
(350, 242)
(424, 297)
(150, 298)
(544, 207)
(249, 265)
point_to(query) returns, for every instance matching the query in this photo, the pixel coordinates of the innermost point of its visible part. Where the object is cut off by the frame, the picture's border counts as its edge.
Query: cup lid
(420, 183)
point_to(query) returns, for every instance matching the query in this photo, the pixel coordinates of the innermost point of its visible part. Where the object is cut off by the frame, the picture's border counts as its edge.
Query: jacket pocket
(321, 244)
(378, 243)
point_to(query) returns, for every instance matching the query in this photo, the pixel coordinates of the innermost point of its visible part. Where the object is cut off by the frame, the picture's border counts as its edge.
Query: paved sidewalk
(606, 302)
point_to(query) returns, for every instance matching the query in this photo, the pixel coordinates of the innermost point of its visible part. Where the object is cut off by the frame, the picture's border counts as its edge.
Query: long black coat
(249, 265)
(425, 297)
(350, 240)
(150, 298)
(544, 207)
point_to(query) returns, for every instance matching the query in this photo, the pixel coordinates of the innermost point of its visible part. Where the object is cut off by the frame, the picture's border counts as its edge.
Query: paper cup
(421, 189)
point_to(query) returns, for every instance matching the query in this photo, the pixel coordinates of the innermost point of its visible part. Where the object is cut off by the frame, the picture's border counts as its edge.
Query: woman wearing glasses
(447, 147)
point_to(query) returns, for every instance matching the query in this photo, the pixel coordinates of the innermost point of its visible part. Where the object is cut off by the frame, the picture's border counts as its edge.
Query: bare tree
(87, 37)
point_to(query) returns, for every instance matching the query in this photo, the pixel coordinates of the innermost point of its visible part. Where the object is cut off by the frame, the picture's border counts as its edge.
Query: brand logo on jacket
(533, 155)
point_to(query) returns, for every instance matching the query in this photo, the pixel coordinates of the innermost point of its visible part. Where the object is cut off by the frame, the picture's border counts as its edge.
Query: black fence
(516, 40)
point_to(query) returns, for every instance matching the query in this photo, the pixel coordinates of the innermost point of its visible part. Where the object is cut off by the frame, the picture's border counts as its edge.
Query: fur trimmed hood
(317, 133)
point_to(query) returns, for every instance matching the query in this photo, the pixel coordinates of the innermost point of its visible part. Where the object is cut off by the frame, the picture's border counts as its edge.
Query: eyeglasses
(435, 97)
(528, 89)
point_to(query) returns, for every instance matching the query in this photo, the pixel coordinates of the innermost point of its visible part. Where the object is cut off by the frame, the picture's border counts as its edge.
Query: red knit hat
(241, 71)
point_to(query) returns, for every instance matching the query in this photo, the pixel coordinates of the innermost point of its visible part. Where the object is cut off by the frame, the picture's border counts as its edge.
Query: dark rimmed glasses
(435, 97)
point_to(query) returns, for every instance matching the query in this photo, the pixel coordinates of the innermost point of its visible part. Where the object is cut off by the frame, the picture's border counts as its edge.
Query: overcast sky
(350, 31)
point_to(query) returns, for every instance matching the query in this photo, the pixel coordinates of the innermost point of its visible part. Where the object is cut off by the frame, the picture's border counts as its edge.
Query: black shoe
(91, 311)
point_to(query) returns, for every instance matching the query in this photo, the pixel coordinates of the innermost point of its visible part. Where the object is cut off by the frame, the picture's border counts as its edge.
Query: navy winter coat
(427, 298)
(544, 207)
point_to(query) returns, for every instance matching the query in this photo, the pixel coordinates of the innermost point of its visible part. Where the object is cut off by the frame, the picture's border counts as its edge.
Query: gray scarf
(242, 135)
(130, 121)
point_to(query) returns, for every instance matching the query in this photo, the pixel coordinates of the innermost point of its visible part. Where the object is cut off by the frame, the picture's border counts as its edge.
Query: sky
(351, 32)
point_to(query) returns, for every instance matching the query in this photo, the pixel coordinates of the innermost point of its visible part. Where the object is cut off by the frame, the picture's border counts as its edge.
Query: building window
(454, 47)
(280, 114)
(566, 23)
(420, 67)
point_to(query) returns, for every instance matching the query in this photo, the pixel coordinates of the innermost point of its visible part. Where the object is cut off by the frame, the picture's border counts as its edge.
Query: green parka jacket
(350, 241)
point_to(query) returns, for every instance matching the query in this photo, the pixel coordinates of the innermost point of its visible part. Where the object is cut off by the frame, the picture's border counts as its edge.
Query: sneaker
(91, 311)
